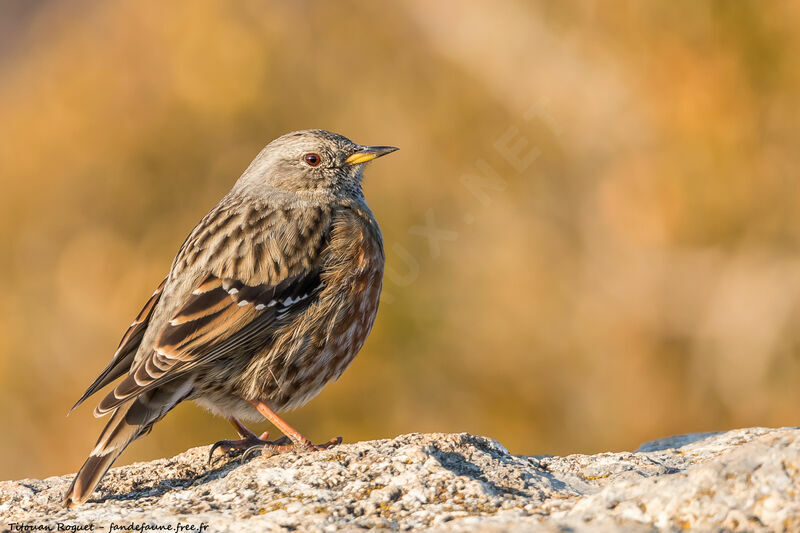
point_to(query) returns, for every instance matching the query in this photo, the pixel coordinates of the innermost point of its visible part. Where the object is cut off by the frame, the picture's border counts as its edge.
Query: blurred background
(592, 226)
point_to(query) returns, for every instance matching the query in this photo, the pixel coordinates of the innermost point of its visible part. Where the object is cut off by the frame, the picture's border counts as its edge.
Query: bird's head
(311, 160)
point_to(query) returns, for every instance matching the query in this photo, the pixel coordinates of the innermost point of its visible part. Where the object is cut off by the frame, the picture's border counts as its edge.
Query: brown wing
(123, 357)
(219, 318)
(227, 316)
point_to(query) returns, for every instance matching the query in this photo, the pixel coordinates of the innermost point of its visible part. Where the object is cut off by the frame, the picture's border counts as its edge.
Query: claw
(284, 444)
(211, 452)
(331, 443)
(242, 444)
(248, 452)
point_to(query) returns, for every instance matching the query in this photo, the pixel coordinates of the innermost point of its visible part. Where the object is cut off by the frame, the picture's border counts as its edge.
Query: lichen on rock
(744, 479)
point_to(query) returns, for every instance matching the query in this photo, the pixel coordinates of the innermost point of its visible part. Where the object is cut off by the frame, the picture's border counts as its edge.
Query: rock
(747, 479)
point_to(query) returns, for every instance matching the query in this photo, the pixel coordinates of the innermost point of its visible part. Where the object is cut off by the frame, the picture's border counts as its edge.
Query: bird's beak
(368, 153)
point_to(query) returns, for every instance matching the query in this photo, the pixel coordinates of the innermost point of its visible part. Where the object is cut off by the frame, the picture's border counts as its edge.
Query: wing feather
(197, 335)
(256, 280)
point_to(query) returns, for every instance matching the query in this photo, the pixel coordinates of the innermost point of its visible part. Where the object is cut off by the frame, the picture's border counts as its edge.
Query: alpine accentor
(269, 298)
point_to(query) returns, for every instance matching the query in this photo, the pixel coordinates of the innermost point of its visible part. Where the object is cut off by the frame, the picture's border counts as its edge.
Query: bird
(269, 298)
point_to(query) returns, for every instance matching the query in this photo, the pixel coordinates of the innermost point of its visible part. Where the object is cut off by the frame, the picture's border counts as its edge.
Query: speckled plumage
(270, 297)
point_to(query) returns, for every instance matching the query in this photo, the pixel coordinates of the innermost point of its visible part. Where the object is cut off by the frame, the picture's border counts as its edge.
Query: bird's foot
(244, 445)
(277, 447)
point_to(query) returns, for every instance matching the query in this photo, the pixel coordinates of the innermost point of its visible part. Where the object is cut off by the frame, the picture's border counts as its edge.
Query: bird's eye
(312, 160)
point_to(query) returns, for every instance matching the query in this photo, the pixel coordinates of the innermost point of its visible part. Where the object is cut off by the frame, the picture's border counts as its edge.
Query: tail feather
(128, 423)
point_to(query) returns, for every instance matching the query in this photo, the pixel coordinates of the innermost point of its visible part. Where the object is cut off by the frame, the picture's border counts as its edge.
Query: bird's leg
(248, 440)
(297, 439)
(243, 430)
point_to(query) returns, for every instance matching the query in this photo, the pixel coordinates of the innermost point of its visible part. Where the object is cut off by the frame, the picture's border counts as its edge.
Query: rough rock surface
(747, 479)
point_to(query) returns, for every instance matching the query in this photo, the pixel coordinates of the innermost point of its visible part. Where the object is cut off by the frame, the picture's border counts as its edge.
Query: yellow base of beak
(360, 157)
